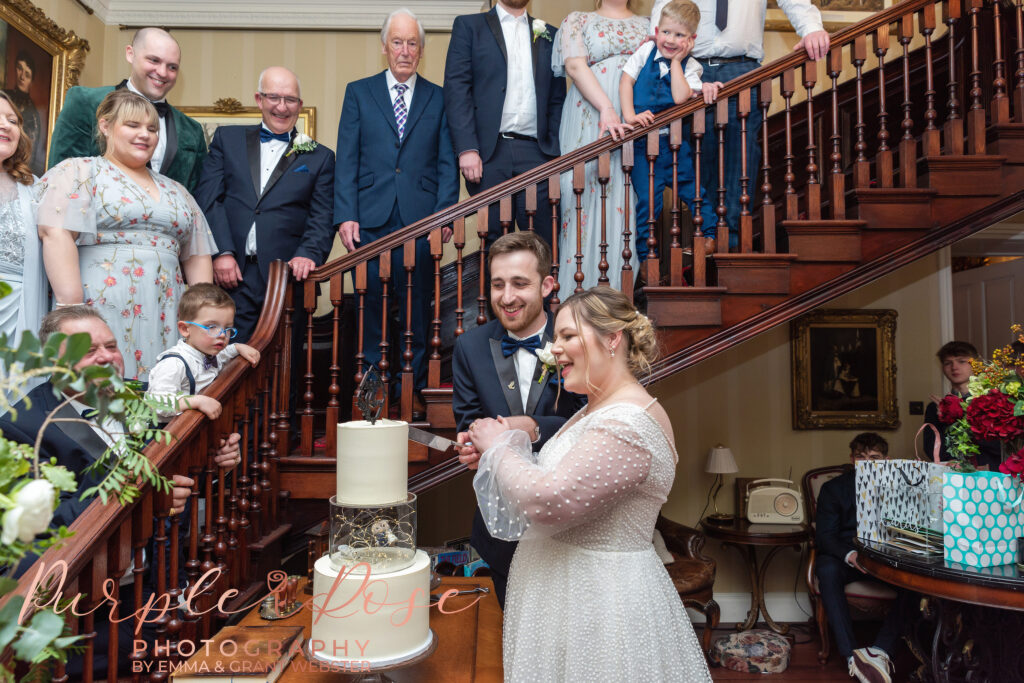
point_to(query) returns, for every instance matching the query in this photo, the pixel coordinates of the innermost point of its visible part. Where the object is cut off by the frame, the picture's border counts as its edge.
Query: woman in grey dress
(121, 237)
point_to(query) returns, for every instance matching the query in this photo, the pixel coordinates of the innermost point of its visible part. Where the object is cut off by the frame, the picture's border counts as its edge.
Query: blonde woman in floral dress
(591, 48)
(121, 237)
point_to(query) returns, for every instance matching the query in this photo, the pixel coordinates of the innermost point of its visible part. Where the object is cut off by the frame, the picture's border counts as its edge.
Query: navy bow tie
(509, 345)
(162, 109)
(267, 136)
(209, 362)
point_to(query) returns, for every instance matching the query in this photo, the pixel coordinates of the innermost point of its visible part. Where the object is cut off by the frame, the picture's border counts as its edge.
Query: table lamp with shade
(720, 461)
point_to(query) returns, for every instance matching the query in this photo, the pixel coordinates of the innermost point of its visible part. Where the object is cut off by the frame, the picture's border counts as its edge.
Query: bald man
(154, 57)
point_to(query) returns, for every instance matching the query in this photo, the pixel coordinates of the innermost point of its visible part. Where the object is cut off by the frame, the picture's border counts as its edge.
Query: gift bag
(869, 489)
(981, 518)
(911, 496)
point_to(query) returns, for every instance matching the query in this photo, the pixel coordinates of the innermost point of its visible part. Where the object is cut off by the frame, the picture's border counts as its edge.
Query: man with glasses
(154, 57)
(267, 195)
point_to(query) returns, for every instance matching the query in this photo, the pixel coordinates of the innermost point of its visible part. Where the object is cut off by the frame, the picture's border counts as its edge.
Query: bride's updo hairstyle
(122, 105)
(608, 311)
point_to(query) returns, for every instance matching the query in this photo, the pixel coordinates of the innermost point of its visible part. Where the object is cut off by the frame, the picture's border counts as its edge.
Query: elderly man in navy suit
(395, 166)
(504, 104)
(267, 195)
(495, 370)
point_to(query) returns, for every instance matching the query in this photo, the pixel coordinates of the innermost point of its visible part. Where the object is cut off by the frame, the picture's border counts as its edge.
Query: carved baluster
(309, 292)
(746, 220)
(459, 239)
(142, 523)
(722, 225)
(931, 141)
(115, 568)
(603, 173)
(333, 405)
(650, 267)
(838, 187)
(90, 580)
(767, 205)
(976, 113)
(384, 272)
(788, 88)
(861, 165)
(626, 276)
(248, 453)
(810, 79)
(1018, 76)
(578, 186)
(554, 198)
(883, 157)
(908, 143)
(360, 287)
(408, 385)
(481, 299)
(232, 494)
(220, 546)
(954, 126)
(505, 214)
(174, 624)
(698, 125)
(1000, 102)
(434, 366)
(675, 249)
(530, 195)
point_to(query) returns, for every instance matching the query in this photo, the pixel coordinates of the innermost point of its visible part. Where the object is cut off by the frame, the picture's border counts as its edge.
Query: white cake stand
(377, 672)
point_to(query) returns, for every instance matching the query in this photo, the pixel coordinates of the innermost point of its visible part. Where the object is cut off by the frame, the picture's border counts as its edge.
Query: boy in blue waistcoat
(657, 76)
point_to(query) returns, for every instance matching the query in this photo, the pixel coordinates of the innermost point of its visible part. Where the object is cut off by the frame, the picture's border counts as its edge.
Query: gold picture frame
(39, 61)
(844, 370)
(229, 111)
(835, 14)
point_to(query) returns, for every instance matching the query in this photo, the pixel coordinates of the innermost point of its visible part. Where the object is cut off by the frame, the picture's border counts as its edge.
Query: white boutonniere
(540, 30)
(547, 359)
(302, 143)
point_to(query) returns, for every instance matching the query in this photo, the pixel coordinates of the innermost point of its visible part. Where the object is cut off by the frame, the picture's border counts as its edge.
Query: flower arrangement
(992, 411)
(302, 143)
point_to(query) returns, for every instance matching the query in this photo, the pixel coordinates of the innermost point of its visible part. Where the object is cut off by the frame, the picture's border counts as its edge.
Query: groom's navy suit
(485, 385)
(475, 80)
(292, 214)
(385, 183)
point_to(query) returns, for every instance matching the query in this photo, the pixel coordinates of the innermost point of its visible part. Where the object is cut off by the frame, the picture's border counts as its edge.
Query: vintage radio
(774, 504)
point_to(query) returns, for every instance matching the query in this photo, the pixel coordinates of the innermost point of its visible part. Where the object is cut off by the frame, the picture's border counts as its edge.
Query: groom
(495, 370)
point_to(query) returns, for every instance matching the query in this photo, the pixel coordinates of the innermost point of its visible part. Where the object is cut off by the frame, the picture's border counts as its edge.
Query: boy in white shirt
(206, 314)
(660, 75)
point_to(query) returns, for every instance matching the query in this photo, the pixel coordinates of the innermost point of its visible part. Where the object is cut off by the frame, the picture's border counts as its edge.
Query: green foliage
(961, 446)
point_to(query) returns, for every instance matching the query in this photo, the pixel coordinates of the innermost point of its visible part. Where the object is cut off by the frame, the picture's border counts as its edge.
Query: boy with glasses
(206, 314)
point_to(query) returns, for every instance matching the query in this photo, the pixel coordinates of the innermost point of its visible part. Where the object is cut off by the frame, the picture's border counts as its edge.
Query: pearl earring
(611, 352)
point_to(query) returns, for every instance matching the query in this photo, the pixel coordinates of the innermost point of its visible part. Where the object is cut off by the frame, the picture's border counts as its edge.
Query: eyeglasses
(277, 99)
(214, 330)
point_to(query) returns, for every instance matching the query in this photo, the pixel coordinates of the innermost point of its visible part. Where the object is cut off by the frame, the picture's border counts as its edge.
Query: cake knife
(438, 443)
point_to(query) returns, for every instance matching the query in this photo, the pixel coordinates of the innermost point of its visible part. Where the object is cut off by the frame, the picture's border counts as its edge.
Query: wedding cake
(373, 586)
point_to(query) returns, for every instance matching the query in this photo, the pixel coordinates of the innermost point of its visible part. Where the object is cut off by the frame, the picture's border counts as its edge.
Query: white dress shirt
(636, 62)
(519, 113)
(168, 378)
(393, 94)
(744, 32)
(111, 425)
(526, 364)
(270, 155)
(161, 144)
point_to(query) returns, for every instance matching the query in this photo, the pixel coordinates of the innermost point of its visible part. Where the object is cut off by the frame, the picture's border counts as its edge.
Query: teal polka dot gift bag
(982, 518)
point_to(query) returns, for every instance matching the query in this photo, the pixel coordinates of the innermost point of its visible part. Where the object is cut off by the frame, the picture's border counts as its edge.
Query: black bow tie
(510, 345)
(209, 362)
(267, 136)
(162, 109)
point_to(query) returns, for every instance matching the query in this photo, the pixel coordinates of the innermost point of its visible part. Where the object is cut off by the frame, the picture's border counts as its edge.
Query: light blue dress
(20, 261)
(606, 44)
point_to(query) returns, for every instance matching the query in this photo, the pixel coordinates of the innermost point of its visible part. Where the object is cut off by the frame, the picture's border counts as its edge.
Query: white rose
(546, 355)
(32, 512)
(539, 26)
(301, 139)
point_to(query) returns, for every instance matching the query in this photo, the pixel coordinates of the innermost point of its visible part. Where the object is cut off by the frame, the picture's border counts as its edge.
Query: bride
(588, 598)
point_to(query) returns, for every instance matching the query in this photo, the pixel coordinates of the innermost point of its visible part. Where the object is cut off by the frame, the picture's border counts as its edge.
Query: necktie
(209, 362)
(267, 136)
(162, 109)
(401, 113)
(510, 345)
(721, 14)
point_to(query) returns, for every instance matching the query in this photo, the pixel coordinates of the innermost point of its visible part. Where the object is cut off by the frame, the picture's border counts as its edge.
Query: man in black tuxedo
(504, 104)
(267, 196)
(836, 565)
(495, 370)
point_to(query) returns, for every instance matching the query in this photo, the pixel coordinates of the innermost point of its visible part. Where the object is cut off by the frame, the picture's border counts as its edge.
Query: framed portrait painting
(39, 61)
(844, 370)
(230, 112)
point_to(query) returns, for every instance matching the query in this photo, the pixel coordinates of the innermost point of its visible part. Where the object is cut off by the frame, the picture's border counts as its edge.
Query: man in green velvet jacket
(154, 57)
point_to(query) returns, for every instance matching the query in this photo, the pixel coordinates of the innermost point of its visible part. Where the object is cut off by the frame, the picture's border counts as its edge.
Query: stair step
(1009, 142)
(685, 306)
(439, 408)
(965, 175)
(754, 273)
(825, 241)
(895, 208)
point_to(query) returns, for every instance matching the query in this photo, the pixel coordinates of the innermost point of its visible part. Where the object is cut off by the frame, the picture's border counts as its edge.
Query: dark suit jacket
(482, 378)
(74, 135)
(375, 169)
(836, 518)
(73, 445)
(475, 75)
(293, 215)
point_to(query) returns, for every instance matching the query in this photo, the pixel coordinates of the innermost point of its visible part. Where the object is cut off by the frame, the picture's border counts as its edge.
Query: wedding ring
(171, 512)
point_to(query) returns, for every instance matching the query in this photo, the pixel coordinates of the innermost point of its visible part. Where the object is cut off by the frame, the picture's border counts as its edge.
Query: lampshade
(721, 461)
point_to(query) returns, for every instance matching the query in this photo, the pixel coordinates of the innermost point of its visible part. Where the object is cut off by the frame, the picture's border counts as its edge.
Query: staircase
(907, 137)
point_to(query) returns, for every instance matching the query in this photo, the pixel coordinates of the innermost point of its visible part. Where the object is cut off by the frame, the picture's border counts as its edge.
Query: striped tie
(400, 111)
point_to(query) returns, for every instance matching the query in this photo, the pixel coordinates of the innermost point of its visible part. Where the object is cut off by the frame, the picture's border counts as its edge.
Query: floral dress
(130, 249)
(606, 44)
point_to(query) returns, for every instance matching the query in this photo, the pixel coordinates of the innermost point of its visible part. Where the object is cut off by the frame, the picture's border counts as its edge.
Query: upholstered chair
(693, 573)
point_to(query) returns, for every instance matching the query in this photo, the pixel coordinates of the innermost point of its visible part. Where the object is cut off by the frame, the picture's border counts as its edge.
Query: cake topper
(367, 395)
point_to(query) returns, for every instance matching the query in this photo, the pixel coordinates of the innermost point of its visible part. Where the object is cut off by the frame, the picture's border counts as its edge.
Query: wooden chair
(868, 599)
(692, 572)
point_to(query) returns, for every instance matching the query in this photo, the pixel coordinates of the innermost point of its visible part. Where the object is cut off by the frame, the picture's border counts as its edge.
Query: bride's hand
(484, 432)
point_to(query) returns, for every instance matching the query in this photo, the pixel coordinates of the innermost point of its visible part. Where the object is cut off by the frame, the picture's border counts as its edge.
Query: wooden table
(468, 647)
(745, 537)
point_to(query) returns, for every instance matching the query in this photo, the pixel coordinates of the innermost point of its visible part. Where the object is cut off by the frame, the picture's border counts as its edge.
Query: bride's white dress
(588, 598)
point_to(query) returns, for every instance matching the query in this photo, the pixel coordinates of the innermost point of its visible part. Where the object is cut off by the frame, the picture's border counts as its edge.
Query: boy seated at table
(836, 565)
